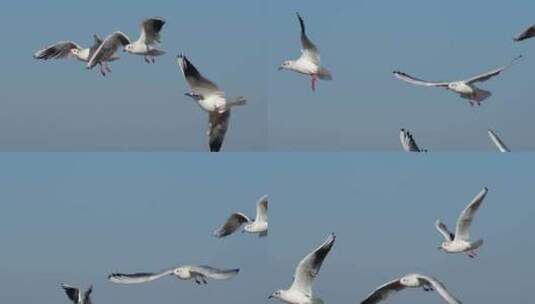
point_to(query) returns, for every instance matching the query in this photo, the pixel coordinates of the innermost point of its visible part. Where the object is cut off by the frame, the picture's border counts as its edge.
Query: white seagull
(107, 50)
(410, 281)
(309, 62)
(465, 88)
(308, 269)
(212, 100)
(460, 241)
(76, 296)
(408, 143)
(149, 37)
(498, 142)
(187, 272)
(236, 220)
(525, 34)
(70, 49)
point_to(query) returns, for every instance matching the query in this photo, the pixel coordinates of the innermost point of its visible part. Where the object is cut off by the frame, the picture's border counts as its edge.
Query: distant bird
(70, 49)
(212, 100)
(408, 143)
(410, 281)
(149, 37)
(459, 242)
(76, 296)
(465, 88)
(107, 50)
(236, 220)
(498, 142)
(309, 62)
(525, 34)
(187, 272)
(308, 269)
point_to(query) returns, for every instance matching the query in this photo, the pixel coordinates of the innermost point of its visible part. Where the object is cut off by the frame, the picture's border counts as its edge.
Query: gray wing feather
(488, 75)
(408, 143)
(58, 50)
(215, 273)
(196, 81)
(308, 48)
(108, 48)
(72, 293)
(498, 142)
(383, 292)
(443, 229)
(87, 295)
(217, 129)
(232, 224)
(440, 289)
(262, 209)
(467, 215)
(525, 34)
(413, 80)
(137, 278)
(150, 30)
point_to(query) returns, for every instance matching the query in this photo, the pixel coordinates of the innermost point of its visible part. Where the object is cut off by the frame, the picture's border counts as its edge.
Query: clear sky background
(74, 218)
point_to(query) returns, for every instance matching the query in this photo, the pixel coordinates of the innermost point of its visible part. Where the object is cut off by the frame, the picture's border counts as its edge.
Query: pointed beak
(271, 296)
(279, 68)
(439, 248)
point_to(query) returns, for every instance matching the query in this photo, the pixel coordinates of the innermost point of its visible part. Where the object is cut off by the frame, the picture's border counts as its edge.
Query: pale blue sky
(75, 217)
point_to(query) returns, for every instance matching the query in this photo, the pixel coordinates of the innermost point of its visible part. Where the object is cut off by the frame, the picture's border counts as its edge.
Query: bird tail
(324, 74)
(240, 101)
(477, 244)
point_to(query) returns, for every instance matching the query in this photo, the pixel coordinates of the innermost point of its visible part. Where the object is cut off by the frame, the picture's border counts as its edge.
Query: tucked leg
(146, 59)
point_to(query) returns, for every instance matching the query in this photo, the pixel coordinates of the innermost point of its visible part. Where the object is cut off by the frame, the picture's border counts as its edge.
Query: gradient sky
(58, 106)
(75, 217)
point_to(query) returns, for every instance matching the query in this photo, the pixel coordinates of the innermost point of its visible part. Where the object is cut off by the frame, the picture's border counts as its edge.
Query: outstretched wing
(413, 80)
(197, 83)
(215, 273)
(498, 142)
(108, 47)
(262, 209)
(467, 215)
(72, 293)
(307, 47)
(443, 229)
(217, 128)
(150, 30)
(488, 75)
(440, 289)
(383, 292)
(232, 224)
(525, 34)
(58, 50)
(408, 143)
(137, 278)
(309, 267)
(87, 295)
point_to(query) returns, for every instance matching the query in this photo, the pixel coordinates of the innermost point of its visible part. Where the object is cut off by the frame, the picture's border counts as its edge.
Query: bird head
(276, 294)
(285, 65)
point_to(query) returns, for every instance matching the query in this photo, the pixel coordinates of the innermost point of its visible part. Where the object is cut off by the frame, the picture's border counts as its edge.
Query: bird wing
(443, 229)
(217, 128)
(383, 292)
(108, 47)
(262, 209)
(72, 293)
(214, 273)
(137, 278)
(150, 30)
(309, 267)
(498, 142)
(408, 143)
(97, 41)
(413, 80)
(308, 48)
(465, 219)
(232, 224)
(58, 50)
(488, 75)
(87, 295)
(525, 34)
(197, 83)
(440, 288)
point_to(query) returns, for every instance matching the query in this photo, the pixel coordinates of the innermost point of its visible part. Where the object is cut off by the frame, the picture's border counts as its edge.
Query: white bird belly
(463, 88)
(257, 227)
(213, 104)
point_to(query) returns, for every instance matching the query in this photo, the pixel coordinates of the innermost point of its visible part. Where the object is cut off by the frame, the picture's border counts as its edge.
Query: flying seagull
(309, 62)
(498, 142)
(525, 34)
(149, 37)
(459, 242)
(236, 220)
(212, 100)
(408, 143)
(187, 272)
(107, 50)
(76, 296)
(410, 281)
(70, 49)
(301, 290)
(465, 88)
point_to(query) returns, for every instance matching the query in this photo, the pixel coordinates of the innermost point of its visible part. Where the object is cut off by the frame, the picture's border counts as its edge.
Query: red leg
(314, 82)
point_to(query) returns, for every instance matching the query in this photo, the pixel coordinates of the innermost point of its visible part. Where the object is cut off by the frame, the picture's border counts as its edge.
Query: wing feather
(58, 50)
(137, 278)
(383, 292)
(232, 224)
(467, 215)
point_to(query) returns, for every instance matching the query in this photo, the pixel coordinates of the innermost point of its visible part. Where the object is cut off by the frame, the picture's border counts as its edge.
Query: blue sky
(75, 217)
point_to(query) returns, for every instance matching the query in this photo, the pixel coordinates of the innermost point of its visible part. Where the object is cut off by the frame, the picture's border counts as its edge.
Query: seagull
(408, 143)
(526, 34)
(498, 142)
(460, 241)
(107, 50)
(309, 62)
(410, 281)
(187, 272)
(150, 35)
(236, 220)
(70, 49)
(212, 100)
(465, 88)
(301, 290)
(76, 296)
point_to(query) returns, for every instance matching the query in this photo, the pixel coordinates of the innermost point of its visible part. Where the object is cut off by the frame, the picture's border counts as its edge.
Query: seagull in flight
(498, 142)
(309, 62)
(199, 274)
(408, 143)
(465, 88)
(76, 296)
(149, 37)
(410, 281)
(236, 220)
(212, 100)
(107, 50)
(459, 242)
(525, 34)
(307, 270)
